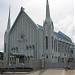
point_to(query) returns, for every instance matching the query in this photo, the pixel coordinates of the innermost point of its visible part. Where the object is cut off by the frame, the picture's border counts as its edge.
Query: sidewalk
(44, 72)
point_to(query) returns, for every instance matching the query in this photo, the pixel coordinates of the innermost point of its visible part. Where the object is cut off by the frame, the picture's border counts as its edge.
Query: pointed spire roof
(8, 26)
(47, 2)
(47, 10)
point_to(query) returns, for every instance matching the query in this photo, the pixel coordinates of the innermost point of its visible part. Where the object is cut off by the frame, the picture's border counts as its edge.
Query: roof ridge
(65, 36)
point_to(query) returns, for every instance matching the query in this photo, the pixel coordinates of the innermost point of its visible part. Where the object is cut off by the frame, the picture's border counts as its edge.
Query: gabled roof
(40, 27)
(62, 36)
(15, 21)
(21, 11)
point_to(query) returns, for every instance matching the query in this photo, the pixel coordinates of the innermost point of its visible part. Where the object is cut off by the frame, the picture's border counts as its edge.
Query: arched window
(46, 42)
(5, 47)
(52, 42)
(28, 58)
(47, 56)
(27, 47)
(31, 56)
(16, 49)
(30, 46)
(33, 46)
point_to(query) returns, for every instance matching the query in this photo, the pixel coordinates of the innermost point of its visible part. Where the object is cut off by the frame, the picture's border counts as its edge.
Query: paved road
(44, 72)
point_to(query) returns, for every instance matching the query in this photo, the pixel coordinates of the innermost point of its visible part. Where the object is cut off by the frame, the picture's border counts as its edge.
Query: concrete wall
(72, 65)
(74, 53)
(1, 64)
(54, 65)
(59, 65)
(36, 64)
(40, 42)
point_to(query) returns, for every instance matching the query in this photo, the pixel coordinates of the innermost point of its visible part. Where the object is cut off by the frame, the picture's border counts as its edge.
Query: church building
(30, 45)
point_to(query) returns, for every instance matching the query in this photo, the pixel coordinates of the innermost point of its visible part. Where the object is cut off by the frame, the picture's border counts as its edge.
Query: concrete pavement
(44, 72)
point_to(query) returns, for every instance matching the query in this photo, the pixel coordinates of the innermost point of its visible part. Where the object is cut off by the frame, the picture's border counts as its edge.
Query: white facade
(25, 41)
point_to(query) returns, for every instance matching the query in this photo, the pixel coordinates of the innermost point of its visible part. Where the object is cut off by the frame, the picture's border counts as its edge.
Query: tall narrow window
(46, 42)
(52, 42)
(5, 47)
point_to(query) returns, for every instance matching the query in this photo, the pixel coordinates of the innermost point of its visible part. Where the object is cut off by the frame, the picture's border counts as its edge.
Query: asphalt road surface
(43, 72)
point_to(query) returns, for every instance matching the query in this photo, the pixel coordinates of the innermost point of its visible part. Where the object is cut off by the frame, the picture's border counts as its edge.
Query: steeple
(8, 25)
(47, 10)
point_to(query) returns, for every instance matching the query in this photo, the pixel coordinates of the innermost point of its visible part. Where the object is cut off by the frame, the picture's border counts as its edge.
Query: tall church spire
(8, 26)
(47, 10)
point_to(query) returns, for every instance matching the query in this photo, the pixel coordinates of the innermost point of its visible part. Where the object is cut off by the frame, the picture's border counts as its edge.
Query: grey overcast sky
(62, 14)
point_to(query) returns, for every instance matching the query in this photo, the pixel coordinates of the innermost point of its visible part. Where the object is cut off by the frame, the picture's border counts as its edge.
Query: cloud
(60, 9)
(1, 45)
(74, 38)
(66, 25)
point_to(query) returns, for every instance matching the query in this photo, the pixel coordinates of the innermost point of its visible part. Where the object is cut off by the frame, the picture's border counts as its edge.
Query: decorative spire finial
(47, 10)
(8, 26)
(47, 2)
(22, 9)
